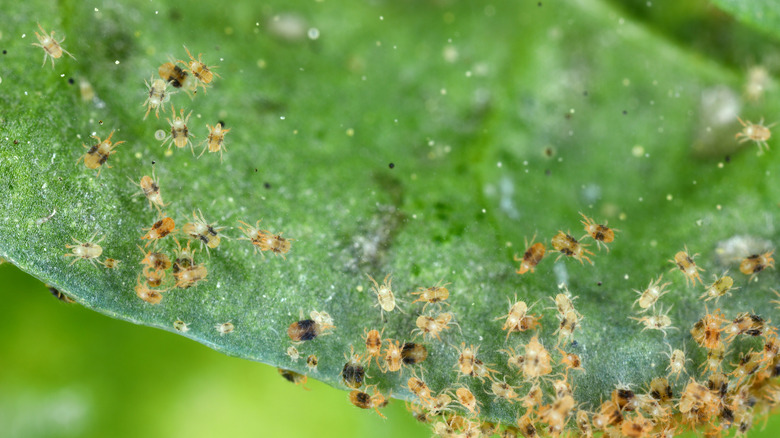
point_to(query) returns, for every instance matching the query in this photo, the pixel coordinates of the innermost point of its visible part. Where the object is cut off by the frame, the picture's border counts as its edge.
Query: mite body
(85, 250)
(569, 246)
(179, 135)
(384, 295)
(51, 47)
(373, 341)
(532, 256)
(159, 230)
(98, 154)
(215, 141)
(432, 295)
(158, 96)
(353, 374)
(308, 329)
(756, 263)
(721, 287)
(757, 133)
(602, 234)
(198, 69)
(687, 266)
(151, 189)
(264, 240)
(203, 231)
(151, 296)
(650, 296)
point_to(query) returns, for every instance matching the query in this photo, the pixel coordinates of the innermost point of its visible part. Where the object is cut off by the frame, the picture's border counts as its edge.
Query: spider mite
(602, 234)
(721, 287)
(624, 398)
(59, 295)
(159, 229)
(151, 296)
(85, 250)
(322, 318)
(155, 260)
(413, 354)
(660, 390)
(432, 295)
(150, 188)
(503, 390)
(384, 295)
(203, 231)
(98, 154)
(311, 362)
(179, 135)
(190, 276)
(568, 323)
(264, 240)
(569, 246)
(715, 358)
(467, 400)
(532, 256)
(650, 296)
(365, 401)
(514, 359)
(293, 377)
(609, 414)
(583, 424)
(636, 427)
(373, 340)
(392, 357)
(293, 353)
(677, 361)
(441, 403)
(224, 328)
(466, 359)
(746, 324)
(158, 95)
(428, 325)
(518, 319)
(178, 78)
(757, 133)
(51, 47)
(571, 361)
(562, 387)
(181, 326)
(154, 278)
(557, 414)
(756, 263)
(537, 360)
(215, 141)
(659, 321)
(418, 387)
(308, 329)
(687, 266)
(198, 69)
(706, 331)
(525, 425)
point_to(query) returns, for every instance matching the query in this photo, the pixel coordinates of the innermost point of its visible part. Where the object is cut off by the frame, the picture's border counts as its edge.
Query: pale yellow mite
(179, 135)
(88, 250)
(755, 132)
(215, 141)
(51, 47)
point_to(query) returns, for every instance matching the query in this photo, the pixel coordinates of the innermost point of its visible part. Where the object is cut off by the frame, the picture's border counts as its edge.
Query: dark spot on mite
(727, 415)
(391, 165)
(307, 327)
(267, 185)
(221, 122)
(288, 376)
(71, 81)
(363, 398)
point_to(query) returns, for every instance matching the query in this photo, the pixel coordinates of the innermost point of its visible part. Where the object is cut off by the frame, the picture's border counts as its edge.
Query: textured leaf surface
(494, 137)
(762, 14)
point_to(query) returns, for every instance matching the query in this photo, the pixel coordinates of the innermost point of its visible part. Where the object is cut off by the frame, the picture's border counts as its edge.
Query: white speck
(156, 12)
(625, 277)
(313, 33)
(381, 18)
(669, 197)
(25, 93)
(24, 35)
(116, 62)
(97, 10)
(1, 80)
(498, 164)
(62, 75)
(641, 199)
(484, 211)
(561, 274)
(219, 285)
(281, 118)
(159, 135)
(443, 91)
(53, 157)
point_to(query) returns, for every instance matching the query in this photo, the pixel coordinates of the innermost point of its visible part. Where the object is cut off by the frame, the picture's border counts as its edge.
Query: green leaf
(761, 14)
(501, 122)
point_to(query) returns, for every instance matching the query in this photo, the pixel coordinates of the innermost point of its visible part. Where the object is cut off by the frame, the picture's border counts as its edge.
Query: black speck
(100, 122)
(221, 122)
(585, 93)
(391, 165)
(625, 112)
(575, 344)
(549, 152)
(547, 172)
(5, 52)
(267, 185)
(599, 283)
(16, 141)
(153, 162)
(71, 81)
(728, 158)
(255, 169)
(539, 4)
